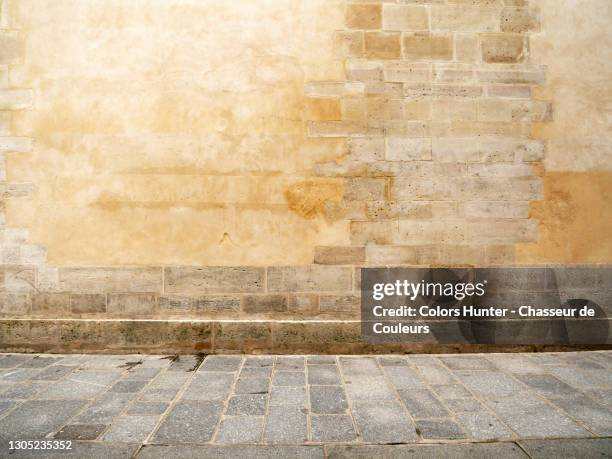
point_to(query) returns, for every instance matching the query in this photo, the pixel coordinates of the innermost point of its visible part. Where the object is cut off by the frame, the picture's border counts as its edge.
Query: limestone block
(111, 280)
(504, 48)
(427, 46)
(257, 304)
(407, 72)
(309, 279)
(363, 16)
(339, 255)
(11, 47)
(52, 304)
(519, 20)
(382, 45)
(17, 279)
(373, 232)
(464, 18)
(405, 17)
(88, 303)
(15, 99)
(132, 304)
(186, 279)
(407, 149)
(16, 144)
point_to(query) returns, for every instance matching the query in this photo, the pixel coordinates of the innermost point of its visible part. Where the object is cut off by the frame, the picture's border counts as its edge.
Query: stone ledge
(216, 336)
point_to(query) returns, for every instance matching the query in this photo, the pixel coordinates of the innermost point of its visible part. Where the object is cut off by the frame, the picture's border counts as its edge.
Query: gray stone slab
(287, 395)
(404, 377)
(241, 429)
(467, 362)
(101, 377)
(295, 363)
(463, 405)
(125, 386)
(592, 415)
(209, 386)
(328, 400)
(531, 417)
(440, 429)
(392, 361)
(332, 428)
(548, 385)
(601, 396)
(80, 431)
(54, 373)
(255, 372)
(19, 374)
(130, 429)
(252, 386)
(288, 378)
(141, 408)
(464, 451)
(228, 363)
(258, 361)
(568, 449)
(142, 374)
(24, 390)
(323, 375)
(423, 404)
(155, 394)
(515, 363)
(483, 425)
(40, 362)
(14, 360)
(286, 424)
(359, 366)
(436, 374)
(36, 418)
(369, 388)
(383, 422)
(104, 409)
(247, 405)
(234, 452)
(491, 383)
(71, 390)
(321, 360)
(185, 363)
(6, 405)
(583, 378)
(451, 391)
(171, 379)
(189, 422)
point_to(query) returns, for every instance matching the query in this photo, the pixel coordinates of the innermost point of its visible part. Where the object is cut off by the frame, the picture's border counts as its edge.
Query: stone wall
(236, 162)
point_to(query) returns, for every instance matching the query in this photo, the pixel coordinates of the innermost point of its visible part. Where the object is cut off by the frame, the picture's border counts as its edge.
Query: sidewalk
(478, 405)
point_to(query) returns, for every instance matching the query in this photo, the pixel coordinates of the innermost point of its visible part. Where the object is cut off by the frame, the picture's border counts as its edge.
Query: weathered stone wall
(242, 160)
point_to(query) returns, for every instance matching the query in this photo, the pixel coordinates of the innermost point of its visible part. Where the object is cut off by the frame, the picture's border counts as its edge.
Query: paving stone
(247, 405)
(602, 357)
(186, 363)
(483, 425)
(321, 360)
(209, 386)
(128, 386)
(568, 449)
(452, 391)
(40, 362)
(36, 418)
(224, 452)
(256, 372)
(601, 396)
(328, 400)
(467, 362)
(490, 383)
(422, 403)
(130, 429)
(392, 361)
(54, 373)
(147, 408)
(383, 422)
(229, 363)
(286, 424)
(583, 378)
(241, 429)
(19, 374)
(404, 377)
(440, 429)
(329, 428)
(548, 385)
(71, 390)
(256, 361)
(142, 374)
(24, 390)
(515, 363)
(464, 451)
(436, 374)
(156, 394)
(7, 405)
(14, 360)
(287, 395)
(374, 388)
(290, 363)
(288, 378)
(104, 409)
(463, 405)
(323, 375)
(252, 386)
(101, 377)
(592, 415)
(80, 431)
(189, 422)
(359, 366)
(531, 417)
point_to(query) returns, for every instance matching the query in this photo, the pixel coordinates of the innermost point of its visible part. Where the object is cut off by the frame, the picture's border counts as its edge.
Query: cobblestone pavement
(477, 405)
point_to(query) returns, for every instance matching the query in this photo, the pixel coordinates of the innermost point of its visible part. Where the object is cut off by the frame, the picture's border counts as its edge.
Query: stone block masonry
(222, 195)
